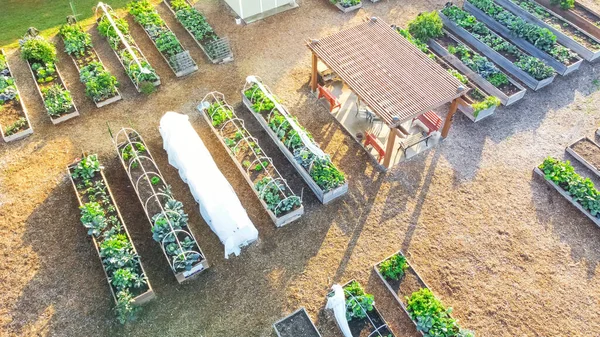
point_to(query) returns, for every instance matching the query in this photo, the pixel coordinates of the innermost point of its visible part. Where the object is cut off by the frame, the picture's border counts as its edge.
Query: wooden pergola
(393, 77)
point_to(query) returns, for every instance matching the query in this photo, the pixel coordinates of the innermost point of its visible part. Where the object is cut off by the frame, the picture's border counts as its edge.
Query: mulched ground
(507, 252)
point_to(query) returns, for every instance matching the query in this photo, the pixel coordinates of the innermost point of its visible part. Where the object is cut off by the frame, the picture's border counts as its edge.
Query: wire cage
(304, 153)
(219, 50)
(268, 184)
(136, 64)
(164, 212)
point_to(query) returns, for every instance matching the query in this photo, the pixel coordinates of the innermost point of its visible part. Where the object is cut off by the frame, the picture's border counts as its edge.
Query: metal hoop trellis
(377, 328)
(155, 195)
(217, 97)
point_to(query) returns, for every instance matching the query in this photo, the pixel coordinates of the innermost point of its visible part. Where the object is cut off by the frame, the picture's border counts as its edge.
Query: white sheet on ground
(219, 205)
(337, 302)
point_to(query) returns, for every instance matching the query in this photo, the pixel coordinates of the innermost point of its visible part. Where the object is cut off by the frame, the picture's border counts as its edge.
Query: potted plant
(275, 195)
(137, 67)
(100, 85)
(216, 49)
(100, 216)
(17, 125)
(178, 59)
(295, 142)
(168, 220)
(41, 59)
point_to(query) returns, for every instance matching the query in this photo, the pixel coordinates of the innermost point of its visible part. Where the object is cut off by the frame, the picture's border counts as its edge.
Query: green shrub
(37, 49)
(426, 26)
(394, 267)
(564, 4)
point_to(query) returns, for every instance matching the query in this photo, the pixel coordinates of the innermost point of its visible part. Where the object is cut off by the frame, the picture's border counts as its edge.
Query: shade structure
(392, 76)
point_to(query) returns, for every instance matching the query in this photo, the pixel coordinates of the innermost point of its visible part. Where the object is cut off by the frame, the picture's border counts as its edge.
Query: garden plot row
(356, 314)
(100, 215)
(578, 190)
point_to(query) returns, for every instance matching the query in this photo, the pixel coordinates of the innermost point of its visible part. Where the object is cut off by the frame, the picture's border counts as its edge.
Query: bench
(333, 102)
(431, 120)
(413, 140)
(370, 139)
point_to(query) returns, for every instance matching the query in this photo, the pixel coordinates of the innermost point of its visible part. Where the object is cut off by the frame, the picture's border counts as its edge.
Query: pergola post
(389, 149)
(448, 120)
(313, 78)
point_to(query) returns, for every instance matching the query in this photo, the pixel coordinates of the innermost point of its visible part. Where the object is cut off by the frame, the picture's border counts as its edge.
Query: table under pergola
(396, 80)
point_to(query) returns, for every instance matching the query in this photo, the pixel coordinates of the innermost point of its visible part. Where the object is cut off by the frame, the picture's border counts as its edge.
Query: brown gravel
(509, 254)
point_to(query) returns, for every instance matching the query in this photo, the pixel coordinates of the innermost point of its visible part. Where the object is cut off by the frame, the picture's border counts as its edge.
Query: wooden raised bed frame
(179, 73)
(393, 292)
(218, 61)
(349, 9)
(574, 18)
(301, 311)
(23, 133)
(279, 221)
(566, 40)
(202, 264)
(374, 311)
(473, 76)
(564, 193)
(64, 117)
(324, 197)
(149, 294)
(570, 149)
(496, 57)
(499, 28)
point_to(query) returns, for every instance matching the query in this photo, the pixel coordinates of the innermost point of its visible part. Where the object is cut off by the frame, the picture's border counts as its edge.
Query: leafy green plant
(432, 318)
(117, 253)
(564, 4)
(346, 3)
(3, 63)
(184, 257)
(125, 309)
(37, 49)
(87, 167)
(426, 26)
(533, 66)
(57, 100)
(44, 72)
(358, 303)
(394, 267)
(219, 113)
(100, 84)
(582, 190)
(272, 191)
(93, 218)
(106, 30)
(488, 102)
(463, 79)
(77, 42)
(18, 125)
(126, 278)
(479, 64)
(155, 180)
(194, 22)
(540, 37)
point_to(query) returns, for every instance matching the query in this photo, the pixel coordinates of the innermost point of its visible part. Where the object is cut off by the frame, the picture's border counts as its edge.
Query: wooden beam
(448, 120)
(315, 72)
(389, 149)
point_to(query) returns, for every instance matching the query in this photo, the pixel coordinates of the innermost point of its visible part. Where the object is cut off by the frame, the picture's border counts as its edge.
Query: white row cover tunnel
(252, 10)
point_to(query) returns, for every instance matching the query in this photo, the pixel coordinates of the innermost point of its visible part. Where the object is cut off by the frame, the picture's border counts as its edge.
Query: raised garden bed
(475, 67)
(162, 37)
(216, 49)
(137, 67)
(412, 294)
(168, 221)
(529, 70)
(580, 15)
(100, 84)
(475, 104)
(577, 190)
(536, 41)
(587, 152)
(100, 215)
(275, 195)
(41, 59)
(298, 146)
(14, 122)
(363, 317)
(347, 6)
(297, 324)
(567, 34)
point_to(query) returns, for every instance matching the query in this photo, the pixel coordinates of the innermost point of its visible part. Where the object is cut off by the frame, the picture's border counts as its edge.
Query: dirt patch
(297, 325)
(10, 112)
(589, 150)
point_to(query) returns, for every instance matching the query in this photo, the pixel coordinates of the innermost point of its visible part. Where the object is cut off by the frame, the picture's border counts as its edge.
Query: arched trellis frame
(256, 157)
(377, 328)
(127, 137)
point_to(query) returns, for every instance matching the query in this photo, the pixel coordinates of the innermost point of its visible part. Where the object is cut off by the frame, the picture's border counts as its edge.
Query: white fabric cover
(219, 205)
(337, 302)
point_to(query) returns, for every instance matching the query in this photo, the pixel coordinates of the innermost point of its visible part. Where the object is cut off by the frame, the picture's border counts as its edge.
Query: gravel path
(508, 253)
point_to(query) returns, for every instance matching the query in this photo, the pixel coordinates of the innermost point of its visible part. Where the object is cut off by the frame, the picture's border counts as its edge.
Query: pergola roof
(393, 77)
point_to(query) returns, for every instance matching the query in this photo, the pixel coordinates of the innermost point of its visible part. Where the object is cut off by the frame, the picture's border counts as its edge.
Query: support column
(448, 120)
(389, 149)
(315, 72)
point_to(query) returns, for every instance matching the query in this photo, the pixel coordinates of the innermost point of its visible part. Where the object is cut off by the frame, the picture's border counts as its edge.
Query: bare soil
(511, 258)
(10, 112)
(297, 325)
(584, 13)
